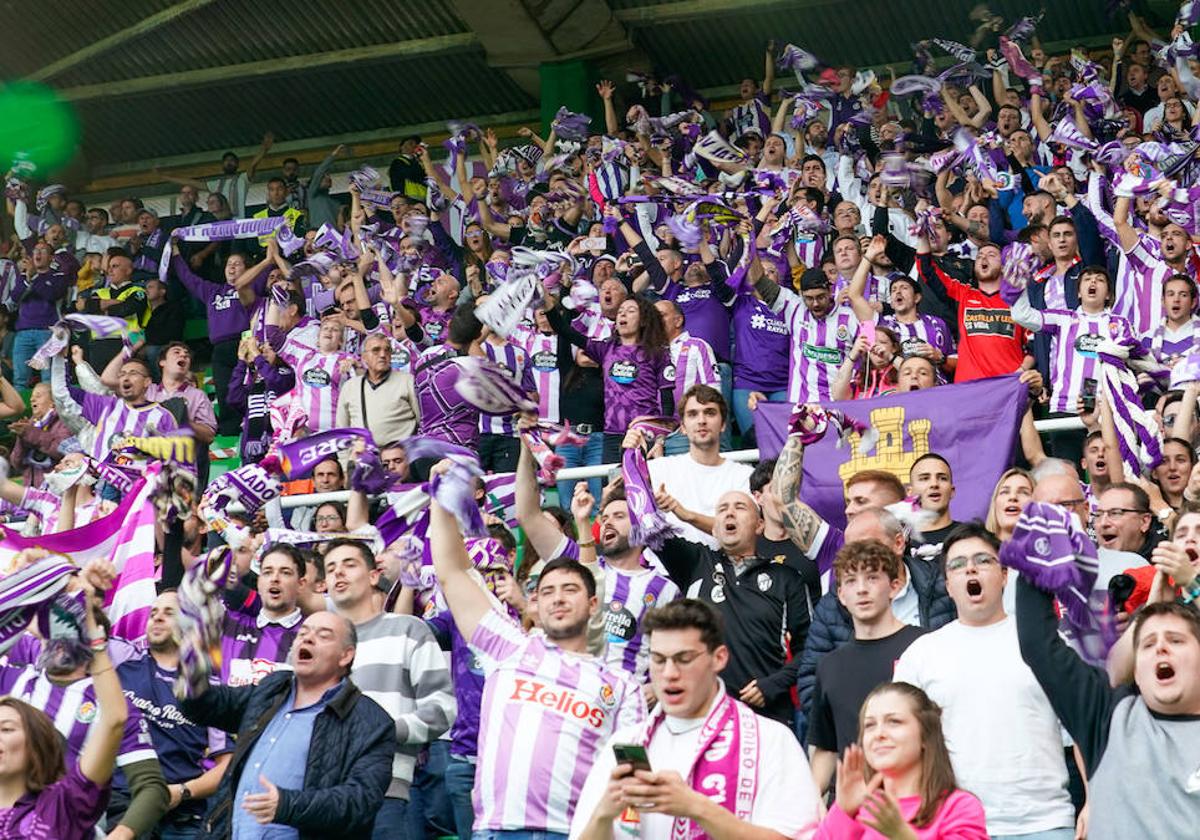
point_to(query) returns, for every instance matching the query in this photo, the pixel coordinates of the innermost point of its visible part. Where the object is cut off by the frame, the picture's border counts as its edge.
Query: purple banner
(974, 426)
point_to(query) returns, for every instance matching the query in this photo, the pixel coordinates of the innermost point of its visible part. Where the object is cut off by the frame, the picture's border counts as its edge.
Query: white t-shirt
(1004, 738)
(785, 799)
(697, 487)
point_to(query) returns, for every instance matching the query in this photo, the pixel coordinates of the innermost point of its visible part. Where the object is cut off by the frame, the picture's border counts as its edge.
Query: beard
(60, 657)
(619, 547)
(569, 632)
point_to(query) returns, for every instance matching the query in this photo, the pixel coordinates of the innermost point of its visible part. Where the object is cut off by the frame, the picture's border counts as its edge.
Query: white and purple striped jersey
(1167, 346)
(73, 709)
(928, 329)
(404, 352)
(1140, 285)
(750, 116)
(818, 346)
(692, 363)
(319, 378)
(115, 419)
(627, 596)
(543, 359)
(513, 358)
(500, 498)
(1073, 350)
(592, 323)
(544, 715)
(810, 248)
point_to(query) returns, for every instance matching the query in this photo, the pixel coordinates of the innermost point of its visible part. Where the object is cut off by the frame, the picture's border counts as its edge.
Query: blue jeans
(589, 455)
(391, 821)
(181, 832)
(519, 834)
(741, 407)
(429, 811)
(25, 344)
(460, 781)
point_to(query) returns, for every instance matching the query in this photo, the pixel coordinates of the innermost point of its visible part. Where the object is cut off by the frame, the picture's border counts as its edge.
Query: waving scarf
(542, 440)
(1139, 438)
(28, 593)
(201, 622)
(647, 524)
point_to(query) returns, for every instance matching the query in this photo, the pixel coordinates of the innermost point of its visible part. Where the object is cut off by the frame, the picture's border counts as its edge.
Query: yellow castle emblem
(890, 454)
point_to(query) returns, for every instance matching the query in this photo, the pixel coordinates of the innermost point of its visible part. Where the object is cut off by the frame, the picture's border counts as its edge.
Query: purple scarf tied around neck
(647, 524)
(1050, 549)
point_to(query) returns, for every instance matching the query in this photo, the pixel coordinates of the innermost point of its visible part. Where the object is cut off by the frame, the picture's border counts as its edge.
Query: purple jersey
(692, 363)
(513, 358)
(66, 810)
(435, 322)
(253, 646)
(762, 347)
(445, 415)
(73, 709)
(468, 686)
(928, 329)
(227, 317)
(115, 419)
(633, 381)
(181, 745)
(545, 713)
(705, 316)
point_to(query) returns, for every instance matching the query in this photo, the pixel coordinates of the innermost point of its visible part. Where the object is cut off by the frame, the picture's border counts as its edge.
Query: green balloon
(36, 126)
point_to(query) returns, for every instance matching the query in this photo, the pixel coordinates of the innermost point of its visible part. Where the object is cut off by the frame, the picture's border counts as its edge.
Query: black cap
(813, 278)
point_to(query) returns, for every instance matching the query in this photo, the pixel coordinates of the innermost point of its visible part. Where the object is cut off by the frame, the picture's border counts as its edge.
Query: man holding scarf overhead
(692, 785)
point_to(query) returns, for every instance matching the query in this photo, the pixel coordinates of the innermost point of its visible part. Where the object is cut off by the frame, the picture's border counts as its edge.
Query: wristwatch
(184, 793)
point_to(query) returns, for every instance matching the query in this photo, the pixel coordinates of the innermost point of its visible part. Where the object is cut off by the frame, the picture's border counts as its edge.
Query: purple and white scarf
(232, 229)
(27, 594)
(542, 441)
(647, 524)
(1139, 438)
(201, 622)
(102, 326)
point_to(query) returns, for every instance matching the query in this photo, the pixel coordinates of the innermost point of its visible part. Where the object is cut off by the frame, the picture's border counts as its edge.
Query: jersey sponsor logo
(759, 321)
(620, 625)
(623, 372)
(317, 378)
(669, 373)
(981, 321)
(824, 355)
(1087, 343)
(764, 581)
(434, 330)
(86, 713)
(562, 700)
(911, 346)
(545, 361)
(400, 359)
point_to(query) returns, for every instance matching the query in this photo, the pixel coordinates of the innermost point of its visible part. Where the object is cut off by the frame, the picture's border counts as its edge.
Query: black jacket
(762, 606)
(349, 758)
(832, 626)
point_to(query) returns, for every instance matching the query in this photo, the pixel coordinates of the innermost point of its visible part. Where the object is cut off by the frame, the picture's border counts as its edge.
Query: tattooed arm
(801, 521)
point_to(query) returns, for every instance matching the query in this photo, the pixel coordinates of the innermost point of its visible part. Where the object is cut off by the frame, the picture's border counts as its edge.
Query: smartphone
(1089, 395)
(632, 754)
(594, 243)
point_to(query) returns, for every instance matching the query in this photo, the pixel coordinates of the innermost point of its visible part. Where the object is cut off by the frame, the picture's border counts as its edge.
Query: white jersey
(544, 716)
(319, 378)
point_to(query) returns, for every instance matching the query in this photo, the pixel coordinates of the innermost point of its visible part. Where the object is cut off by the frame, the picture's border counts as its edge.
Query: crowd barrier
(600, 470)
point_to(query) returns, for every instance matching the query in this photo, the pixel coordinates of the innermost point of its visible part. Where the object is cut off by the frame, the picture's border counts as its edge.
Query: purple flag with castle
(973, 425)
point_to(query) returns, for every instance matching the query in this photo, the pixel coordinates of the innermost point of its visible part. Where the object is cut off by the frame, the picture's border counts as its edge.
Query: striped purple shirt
(73, 709)
(547, 378)
(545, 713)
(253, 646)
(1167, 346)
(114, 419)
(929, 329)
(692, 363)
(513, 358)
(818, 346)
(627, 597)
(1075, 336)
(444, 414)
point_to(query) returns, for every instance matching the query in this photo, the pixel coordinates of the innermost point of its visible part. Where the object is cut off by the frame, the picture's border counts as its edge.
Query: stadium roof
(175, 82)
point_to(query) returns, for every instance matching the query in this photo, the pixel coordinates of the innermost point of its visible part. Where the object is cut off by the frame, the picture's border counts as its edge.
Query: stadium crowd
(444, 638)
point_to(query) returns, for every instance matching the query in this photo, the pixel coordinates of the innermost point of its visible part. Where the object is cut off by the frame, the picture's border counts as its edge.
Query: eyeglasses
(979, 561)
(331, 519)
(1073, 502)
(679, 660)
(1116, 513)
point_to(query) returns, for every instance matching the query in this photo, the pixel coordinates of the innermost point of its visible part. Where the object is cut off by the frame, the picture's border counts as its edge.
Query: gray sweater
(400, 666)
(1143, 768)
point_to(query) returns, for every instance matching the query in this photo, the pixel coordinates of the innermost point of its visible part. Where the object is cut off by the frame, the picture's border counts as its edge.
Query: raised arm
(803, 524)
(468, 603)
(542, 535)
(99, 754)
(1126, 233)
(856, 291)
(769, 69)
(267, 142)
(611, 125)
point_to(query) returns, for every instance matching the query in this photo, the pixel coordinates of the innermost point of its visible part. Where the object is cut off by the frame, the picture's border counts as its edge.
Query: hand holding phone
(633, 755)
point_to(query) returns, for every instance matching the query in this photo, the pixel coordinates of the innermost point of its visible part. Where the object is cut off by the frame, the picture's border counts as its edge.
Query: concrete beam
(692, 9)
(275, 66)
(105, 44)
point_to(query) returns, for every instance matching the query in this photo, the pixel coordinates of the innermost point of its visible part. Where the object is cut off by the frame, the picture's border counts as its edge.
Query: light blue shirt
(280, 754)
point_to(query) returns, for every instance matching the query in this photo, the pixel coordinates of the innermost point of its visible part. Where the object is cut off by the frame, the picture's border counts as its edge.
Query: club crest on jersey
(648, 599)
(608, 697)
(86, 713)
(764, 581)
(843, 332)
